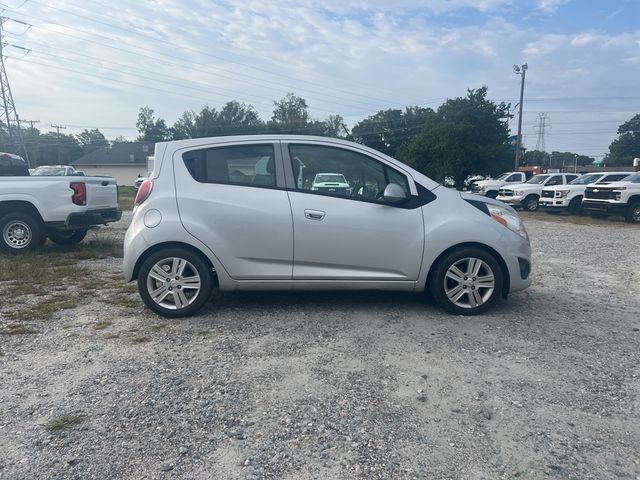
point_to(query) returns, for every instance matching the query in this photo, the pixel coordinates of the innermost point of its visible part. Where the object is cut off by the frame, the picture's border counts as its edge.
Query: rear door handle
(314, 214)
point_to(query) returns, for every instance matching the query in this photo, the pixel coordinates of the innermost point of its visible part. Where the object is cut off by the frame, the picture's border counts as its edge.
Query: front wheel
(67, 237)
(530, 203)
(175, 282)
(467, 281)
(20, 233)
(633, 213)
(575, 206)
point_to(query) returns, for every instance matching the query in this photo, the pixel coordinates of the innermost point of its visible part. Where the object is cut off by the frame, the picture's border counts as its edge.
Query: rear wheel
(530, 203)
(467, 281)
(67, 237)
(633, 213)
(175, 282)
(21, 233)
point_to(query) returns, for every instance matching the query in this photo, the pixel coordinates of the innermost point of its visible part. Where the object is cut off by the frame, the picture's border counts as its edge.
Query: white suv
(215, 213)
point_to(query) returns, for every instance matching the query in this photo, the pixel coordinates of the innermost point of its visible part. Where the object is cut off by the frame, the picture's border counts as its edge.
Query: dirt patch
(331, 385)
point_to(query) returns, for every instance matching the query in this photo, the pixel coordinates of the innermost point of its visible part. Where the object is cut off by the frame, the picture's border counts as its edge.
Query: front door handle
(314, 214)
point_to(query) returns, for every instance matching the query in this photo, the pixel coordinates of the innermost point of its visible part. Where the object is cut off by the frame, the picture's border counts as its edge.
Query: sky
(94, 64)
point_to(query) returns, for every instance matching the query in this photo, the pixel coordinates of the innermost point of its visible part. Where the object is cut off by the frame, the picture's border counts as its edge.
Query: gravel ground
(340, 385)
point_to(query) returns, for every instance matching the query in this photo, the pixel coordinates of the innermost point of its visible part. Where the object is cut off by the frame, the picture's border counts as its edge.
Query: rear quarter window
(248, 165)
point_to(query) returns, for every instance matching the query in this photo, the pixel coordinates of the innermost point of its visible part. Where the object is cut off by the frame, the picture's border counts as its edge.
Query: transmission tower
(542, 125)
(8, 114)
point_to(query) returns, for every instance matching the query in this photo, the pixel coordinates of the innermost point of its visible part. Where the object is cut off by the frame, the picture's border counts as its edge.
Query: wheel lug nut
(170, 288)
(464, 287)
(466, 278)
(177, 277)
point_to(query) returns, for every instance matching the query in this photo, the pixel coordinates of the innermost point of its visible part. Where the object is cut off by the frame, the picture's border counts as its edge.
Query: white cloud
(351, 58)
(550, 6)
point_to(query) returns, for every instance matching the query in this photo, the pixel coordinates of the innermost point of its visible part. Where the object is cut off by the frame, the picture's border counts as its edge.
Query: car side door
(232, 198)
(352, 234)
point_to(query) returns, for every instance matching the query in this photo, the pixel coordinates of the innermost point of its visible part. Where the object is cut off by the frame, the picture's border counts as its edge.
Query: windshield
(586, 179)
(57, 171)
(537, 180)
(503, 176)
(330, 178)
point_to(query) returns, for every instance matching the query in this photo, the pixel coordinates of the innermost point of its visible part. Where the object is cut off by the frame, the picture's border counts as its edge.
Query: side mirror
(394, 193)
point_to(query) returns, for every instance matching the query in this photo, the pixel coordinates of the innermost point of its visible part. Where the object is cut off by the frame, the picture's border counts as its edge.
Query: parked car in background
(140, 179)
(491, 187)
(618, 198)
(569, 197)
(33, 208)
(331, 183)
(193, 227)
(56, 171)
(527, 195)
(12, 165)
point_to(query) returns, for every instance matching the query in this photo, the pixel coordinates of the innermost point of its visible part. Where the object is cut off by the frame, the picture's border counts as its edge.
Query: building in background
(123, 161)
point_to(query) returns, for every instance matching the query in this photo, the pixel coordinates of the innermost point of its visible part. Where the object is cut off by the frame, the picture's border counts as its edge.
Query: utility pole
(8, 113)
(58, 128)
(31, 123)
(522, 71)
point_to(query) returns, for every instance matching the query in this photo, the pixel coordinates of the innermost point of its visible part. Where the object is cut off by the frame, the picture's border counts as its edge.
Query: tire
(20, 233)
(491, 194)
(445, 286)
(67, 237)
(530, 203)
(195, 292)
(575, 206)
(633, 213)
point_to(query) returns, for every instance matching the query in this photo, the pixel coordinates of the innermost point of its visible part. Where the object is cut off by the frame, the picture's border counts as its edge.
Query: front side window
(514, 178)
(555, 180)
(342, 173)
(571, 178)
(249, 165)
(586, 179)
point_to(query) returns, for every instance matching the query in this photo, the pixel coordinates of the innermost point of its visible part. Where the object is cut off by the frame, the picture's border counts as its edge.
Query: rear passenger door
(232, 198)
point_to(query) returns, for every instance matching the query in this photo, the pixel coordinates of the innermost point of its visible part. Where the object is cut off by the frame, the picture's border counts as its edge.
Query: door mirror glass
(394, 193)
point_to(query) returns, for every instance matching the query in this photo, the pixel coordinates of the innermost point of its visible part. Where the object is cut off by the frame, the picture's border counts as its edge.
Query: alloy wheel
(469, 282)
(173, 283)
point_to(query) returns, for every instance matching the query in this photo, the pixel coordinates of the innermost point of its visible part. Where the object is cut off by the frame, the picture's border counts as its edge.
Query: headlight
(481, 188)
(563, 193)
(621, 188)
(508, 219)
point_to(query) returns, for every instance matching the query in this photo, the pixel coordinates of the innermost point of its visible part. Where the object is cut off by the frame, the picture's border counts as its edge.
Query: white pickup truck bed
(33, 208)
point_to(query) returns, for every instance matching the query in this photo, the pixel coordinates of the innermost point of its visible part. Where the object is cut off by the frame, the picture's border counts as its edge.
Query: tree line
(463, 136)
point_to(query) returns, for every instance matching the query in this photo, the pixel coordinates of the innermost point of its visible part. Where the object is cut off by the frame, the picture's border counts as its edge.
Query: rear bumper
(93, 217)
(606, 207)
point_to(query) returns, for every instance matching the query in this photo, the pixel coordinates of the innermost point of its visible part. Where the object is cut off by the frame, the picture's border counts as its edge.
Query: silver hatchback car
(242, 213)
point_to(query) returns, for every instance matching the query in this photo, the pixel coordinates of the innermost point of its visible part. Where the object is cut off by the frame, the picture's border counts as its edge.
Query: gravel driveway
(339, 385)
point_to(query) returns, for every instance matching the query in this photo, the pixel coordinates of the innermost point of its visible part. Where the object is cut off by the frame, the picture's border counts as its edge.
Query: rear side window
(248, 165)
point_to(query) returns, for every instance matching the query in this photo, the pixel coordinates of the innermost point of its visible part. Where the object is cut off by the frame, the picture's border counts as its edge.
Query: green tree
(568, 160)
(388, 131)
(151, 129)
(91, 140)
(334, 127)
(626, 147)
(467, 135)
(290, 115)
(535, 158)
(185, 126)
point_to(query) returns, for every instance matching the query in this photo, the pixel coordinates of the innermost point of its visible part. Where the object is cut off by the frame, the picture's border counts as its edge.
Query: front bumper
(553, 203)
(606, 207)
(517, 258)
(512, 200)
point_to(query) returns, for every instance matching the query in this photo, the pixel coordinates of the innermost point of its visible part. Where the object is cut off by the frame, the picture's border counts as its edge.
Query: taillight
(143, 192)
(79, 196)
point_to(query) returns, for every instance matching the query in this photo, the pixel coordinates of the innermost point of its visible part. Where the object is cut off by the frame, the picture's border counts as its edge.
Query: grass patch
(44, 309)
(139, 339)
(18, 330)
(126, 196)
(102, 325)
(64, 423)
(157, 328)
(111, 335)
